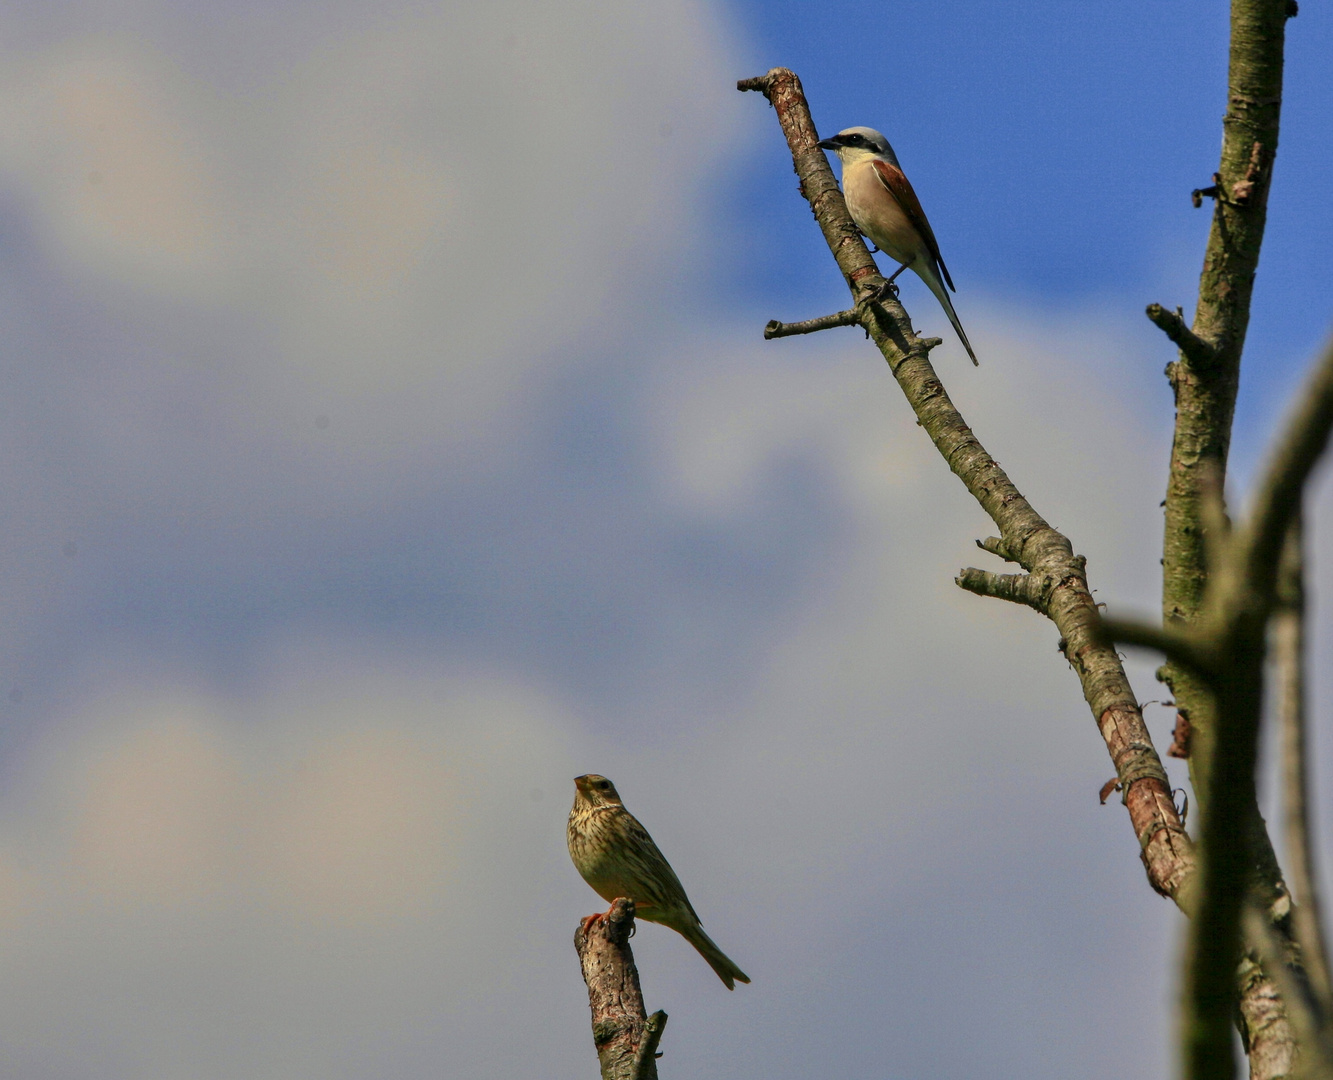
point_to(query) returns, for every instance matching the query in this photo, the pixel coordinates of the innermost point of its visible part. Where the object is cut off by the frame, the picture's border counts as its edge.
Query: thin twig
(1171, 643)
(1016, 588)
(996, 547)
(759, 83)
(1173, 325)
(775, 329)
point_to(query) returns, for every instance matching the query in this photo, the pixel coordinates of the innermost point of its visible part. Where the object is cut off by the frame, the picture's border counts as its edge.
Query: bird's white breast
(877, 213)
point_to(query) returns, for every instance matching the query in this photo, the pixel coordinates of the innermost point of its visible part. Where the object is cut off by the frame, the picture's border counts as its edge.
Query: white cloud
(204, 885)
(294, 262)
(378, 849)
(346, 859)
(401, 226)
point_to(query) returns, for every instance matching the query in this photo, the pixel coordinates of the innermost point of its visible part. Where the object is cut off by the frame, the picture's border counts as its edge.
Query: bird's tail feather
(727, 971)
(932, 280)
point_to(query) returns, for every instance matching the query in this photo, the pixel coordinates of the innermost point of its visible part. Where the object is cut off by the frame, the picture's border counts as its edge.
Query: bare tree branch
(775, 329)
(1274, 951)
(1173, 326)
(1268, 1032)
(996, 547)
(1278, 501)
(1204, 667)
(646, 1055)
(620, 1025)
(1237, 605)
(1184, 649)
(1206, 392)
(1205, 386)
(1289, 661)
(1017, 588)
(1025, 537)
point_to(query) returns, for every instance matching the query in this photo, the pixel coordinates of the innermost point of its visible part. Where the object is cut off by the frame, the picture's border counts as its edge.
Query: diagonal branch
(1025, 537)
(1275, 952)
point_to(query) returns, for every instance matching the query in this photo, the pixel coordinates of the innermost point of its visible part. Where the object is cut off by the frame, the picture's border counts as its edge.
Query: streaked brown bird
(617, 857)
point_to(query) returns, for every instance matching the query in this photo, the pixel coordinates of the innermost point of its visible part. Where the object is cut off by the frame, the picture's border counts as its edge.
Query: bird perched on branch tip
(885, 208)
(617, 857)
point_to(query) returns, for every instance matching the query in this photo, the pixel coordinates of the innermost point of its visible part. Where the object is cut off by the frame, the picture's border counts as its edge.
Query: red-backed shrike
(886, 209)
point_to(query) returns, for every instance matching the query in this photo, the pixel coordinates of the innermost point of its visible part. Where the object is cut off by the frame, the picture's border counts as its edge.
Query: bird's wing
(897, 185)
(654, 871)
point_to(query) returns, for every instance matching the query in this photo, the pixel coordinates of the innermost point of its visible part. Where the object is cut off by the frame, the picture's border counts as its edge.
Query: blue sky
(388, 438)
(1055, 149)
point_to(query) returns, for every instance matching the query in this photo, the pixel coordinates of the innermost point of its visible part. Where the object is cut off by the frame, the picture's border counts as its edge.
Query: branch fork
(1225, 649)
(1214, 639)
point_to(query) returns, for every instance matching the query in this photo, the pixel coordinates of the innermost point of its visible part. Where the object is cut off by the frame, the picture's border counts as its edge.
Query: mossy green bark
(1205, 391)
(1205, 385)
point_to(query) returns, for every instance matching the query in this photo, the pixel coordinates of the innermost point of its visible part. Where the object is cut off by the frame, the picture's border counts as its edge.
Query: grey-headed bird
(885, 208)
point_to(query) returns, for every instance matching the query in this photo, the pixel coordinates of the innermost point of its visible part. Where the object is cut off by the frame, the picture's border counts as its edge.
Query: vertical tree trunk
(1205, 379)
